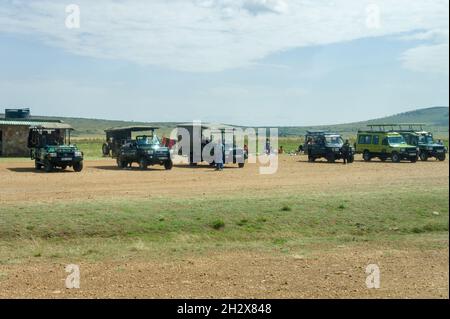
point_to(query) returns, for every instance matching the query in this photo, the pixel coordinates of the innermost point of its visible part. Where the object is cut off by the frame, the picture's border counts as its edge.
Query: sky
(243, 62)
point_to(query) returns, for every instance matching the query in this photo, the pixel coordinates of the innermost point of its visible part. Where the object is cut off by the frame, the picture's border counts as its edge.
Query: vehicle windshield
(334, 140)
(396, 140)
(426, 139)
(148, 140)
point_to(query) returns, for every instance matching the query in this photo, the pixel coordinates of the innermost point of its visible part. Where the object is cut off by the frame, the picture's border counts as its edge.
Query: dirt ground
(336, 273)
(239, 275)
(21, 183)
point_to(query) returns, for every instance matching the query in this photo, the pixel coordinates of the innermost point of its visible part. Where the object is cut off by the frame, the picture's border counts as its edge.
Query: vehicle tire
(78, 166)
(105, 149)
(241, 165)
(441, 157)
(331, 158)
(311, 158)
(413, 159)
(142, 164)
(168, 165)
(423, 156)
(351, 159)
(366, 156)
(48, 167)
(395, 157)
(121, 164)
(37, 165)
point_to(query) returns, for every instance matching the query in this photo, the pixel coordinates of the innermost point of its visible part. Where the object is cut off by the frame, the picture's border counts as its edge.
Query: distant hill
(433, 116)
(436, 119)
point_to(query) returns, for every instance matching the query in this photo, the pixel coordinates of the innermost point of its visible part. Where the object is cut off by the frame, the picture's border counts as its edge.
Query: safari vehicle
(145, 150)
(325, 144)
(414, 134)
(50, 147)
(202, 134)
(380, 142)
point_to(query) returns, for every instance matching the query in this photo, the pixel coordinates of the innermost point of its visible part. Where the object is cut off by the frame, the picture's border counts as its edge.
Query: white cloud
(427, 58)
(214, 35)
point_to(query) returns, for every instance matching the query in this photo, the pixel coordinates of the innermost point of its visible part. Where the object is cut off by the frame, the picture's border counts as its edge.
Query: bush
(218, 224)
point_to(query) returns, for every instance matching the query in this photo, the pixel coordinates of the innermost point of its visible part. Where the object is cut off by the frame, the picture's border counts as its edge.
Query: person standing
(218, 155)
(345, 151)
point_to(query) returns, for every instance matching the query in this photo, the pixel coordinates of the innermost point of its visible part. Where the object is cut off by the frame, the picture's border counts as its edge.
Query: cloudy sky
(255, 62)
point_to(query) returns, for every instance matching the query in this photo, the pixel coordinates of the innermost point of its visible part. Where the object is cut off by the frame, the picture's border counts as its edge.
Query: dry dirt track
(339, 274)
(101, 179)
(336, 273)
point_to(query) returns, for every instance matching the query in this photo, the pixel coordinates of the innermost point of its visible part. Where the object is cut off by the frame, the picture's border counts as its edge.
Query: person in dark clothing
(346, 151)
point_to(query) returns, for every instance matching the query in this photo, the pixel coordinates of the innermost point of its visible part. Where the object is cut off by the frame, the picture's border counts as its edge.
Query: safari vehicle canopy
(116, 137)
(50, 147)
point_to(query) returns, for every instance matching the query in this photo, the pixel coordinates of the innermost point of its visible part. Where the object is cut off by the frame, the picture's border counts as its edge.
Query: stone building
(14, 129)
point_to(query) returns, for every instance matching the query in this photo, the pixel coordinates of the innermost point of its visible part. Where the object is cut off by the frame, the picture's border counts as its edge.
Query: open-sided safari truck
(202, 135)
(50, 147)
(144, 149)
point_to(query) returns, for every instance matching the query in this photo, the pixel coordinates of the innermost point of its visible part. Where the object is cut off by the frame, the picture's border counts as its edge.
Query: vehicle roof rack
(52, 126)
(383, 127)
(318, 132)
(132, 129)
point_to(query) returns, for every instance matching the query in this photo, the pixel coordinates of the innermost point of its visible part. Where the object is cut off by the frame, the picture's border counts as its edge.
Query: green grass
(91, 148)
(111, 229)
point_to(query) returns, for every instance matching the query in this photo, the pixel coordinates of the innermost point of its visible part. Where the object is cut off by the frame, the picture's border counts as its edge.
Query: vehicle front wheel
(241, 165)
(120, 163)
(351, 159)
(396, 157)
(168, 165)
(441, 157)
(37, 165)
(78, 167)
(366, 156)
(423, 156)
(331, 158)
(142, 164)
(48, 167)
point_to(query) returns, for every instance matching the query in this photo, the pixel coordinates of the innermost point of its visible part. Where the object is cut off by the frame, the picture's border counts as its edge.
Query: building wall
(15, 140)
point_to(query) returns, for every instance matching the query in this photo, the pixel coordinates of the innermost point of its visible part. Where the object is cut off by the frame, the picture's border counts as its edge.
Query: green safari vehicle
(50, 147)
(384, 144)
(414, 134)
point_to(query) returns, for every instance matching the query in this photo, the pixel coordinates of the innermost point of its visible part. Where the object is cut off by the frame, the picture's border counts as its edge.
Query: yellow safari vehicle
(379, 141)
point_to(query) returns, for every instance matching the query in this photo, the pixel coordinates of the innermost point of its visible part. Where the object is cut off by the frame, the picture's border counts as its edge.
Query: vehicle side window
(365, 139)
(376, 140)
(385, 141)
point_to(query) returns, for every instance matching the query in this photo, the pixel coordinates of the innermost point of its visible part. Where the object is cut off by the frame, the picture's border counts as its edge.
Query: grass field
(286, 223)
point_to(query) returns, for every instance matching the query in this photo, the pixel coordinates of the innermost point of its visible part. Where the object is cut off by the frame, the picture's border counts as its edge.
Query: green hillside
(436, 119)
